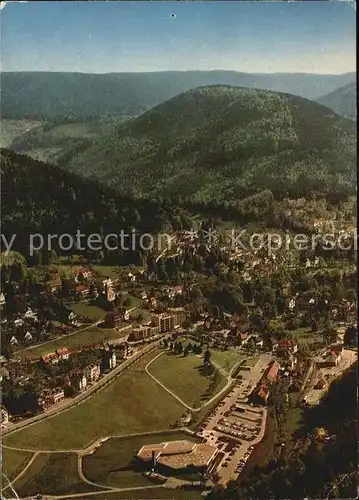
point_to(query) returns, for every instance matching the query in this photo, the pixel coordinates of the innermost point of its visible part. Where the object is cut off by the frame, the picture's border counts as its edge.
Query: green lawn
(108, 271)
(52, 474)
(159, 493)
(93, 312)
(132, 403)
(226, 359)
(14, 461)
(85, 337)
(182, 375)
(113, 463)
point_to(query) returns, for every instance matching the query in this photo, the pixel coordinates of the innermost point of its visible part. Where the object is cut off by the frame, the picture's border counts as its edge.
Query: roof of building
(179, 454)
(273, 371)
(263, 392)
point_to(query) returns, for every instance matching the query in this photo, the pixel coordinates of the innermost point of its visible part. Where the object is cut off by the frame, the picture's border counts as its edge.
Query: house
(13, 340)
(152, 302)
(131, 277)
(143, 295)
(71, 316)
(79, 381)
(291, 304)
(109, 289)
(63, 353)
(259, 343)
(332, 358)
(81, 273)
(273, 371)
(54, 283)
(287, 346)
(28, 337)
(2, 299)
(4, 416)
(244, 337)
(82, 291)
(58, 395)
(51, 396)
(49, 358)
(115, 318)
(92, 372)
(4, 373)
(109, 359)
(260, 395)
(173, 291)
(30, 314)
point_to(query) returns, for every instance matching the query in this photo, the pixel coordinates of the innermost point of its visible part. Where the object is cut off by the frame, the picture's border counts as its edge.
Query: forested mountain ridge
(41, 198)
(343, 100)
(47, 95)
(222, 143)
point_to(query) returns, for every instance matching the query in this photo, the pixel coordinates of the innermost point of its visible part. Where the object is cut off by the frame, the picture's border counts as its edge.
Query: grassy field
(52, 474)
(85, 337)
(14, 461)
(226, 359)
(148, 494)
(113, 463)
(108, 271)
(182, 375)
(132, 403)
(89, 311)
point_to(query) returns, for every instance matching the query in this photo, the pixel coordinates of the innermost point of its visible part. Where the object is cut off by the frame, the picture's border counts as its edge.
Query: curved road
(195, 410)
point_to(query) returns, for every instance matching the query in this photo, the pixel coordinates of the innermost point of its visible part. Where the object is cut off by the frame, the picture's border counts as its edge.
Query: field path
(213, 398)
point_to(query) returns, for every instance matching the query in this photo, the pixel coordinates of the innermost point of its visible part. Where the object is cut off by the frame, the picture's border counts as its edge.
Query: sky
(116, 36)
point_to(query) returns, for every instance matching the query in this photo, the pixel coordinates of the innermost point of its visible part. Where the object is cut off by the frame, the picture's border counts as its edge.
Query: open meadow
(54, 473)
(184, 376)
(13, 462)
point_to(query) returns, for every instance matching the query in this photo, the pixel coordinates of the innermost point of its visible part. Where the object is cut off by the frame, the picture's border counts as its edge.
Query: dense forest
(40, 198)
(221, 143)
(317, 469)
(49, 95)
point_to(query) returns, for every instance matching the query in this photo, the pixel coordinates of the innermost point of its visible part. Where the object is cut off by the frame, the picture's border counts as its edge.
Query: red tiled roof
(273, 371)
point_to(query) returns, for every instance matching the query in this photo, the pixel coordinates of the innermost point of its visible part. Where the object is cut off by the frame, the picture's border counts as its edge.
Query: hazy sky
(101, 37)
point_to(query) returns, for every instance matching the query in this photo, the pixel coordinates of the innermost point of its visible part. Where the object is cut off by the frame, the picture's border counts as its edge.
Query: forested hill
(46, 95)
(343, 100)
(37, 197)
(222, 143)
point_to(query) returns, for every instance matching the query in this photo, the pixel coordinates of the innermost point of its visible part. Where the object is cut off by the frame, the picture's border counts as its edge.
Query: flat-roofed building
(177, 456)
(164, 321)
(179, 315)
(143, 332)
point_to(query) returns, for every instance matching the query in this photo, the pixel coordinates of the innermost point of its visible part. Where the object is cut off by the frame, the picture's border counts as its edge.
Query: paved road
(81, 397)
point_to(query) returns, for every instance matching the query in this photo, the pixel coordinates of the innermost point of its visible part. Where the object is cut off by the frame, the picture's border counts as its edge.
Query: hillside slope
(45, 95)
(221, 143)
(40, 198)
(343, 101)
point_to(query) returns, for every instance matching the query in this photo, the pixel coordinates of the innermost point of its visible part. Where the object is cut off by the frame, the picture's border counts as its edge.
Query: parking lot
(234, 426)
